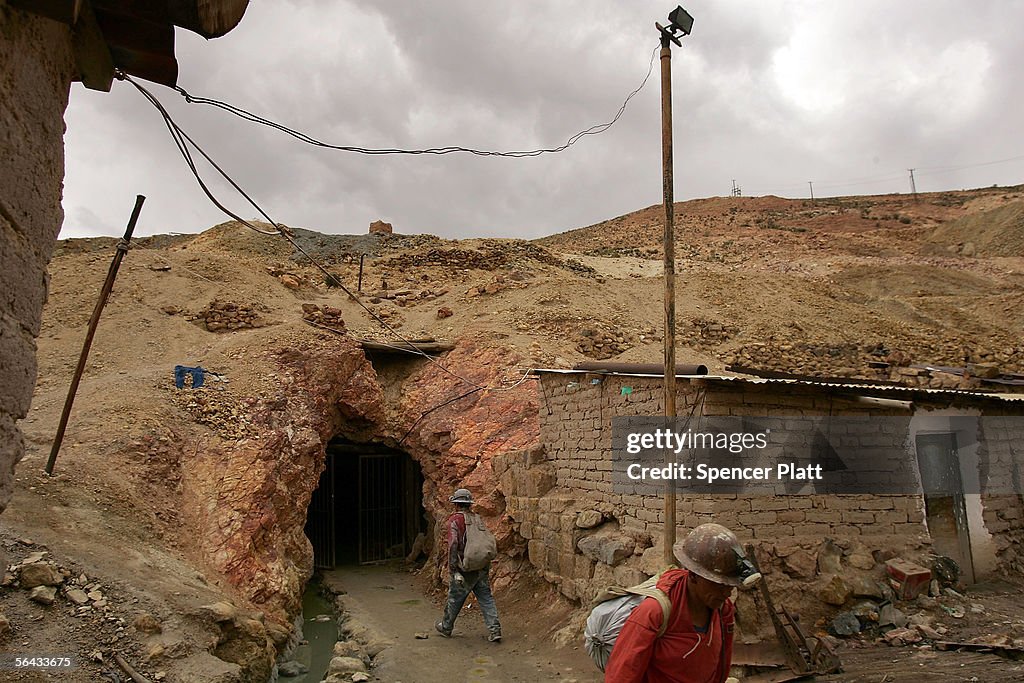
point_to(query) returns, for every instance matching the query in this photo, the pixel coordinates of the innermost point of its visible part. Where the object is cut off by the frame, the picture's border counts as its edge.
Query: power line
(182, 140)
(298, 135)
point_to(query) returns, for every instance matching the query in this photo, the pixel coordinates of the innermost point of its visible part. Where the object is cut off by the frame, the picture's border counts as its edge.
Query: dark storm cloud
(771, 94)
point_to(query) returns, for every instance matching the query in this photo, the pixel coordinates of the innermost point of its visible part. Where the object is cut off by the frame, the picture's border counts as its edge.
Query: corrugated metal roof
(845, 387)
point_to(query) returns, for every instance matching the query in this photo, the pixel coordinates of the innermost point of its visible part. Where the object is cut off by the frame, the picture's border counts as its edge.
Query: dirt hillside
(823, 287)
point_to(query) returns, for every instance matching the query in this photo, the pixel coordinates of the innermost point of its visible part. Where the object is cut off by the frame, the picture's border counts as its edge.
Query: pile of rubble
(601, 342)
(492, 255)
(227, 316)
(328, 316)
(703, 332)
(405, 297)
(291, 279)
(217, 411)
(516, 280)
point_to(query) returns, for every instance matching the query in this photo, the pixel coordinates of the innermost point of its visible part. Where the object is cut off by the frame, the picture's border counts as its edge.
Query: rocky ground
(833, 287)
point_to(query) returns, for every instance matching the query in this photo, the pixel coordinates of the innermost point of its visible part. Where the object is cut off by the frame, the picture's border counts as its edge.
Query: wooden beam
(64, 11)
(208, 18)
(95, 65)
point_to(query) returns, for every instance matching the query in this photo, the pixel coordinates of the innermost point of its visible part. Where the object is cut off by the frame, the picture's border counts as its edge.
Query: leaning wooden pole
(670, 289)
(108, 284)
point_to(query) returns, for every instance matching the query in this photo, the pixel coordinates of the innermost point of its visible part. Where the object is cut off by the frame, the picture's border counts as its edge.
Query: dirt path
(391, 603)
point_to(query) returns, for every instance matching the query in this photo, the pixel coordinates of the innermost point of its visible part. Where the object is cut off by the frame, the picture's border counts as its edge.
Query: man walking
(461, 526)
(696, 646)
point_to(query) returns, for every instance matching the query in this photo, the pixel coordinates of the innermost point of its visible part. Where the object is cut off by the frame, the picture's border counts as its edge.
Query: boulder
(346, 665)
(44, 595)
(39, 574)
(799, 564)
(292, 669)
(829, 558)
(147, 623)
(611, 549)
(381, 228)
(5, 627)
(863, 587)
(218, 612)
(835, 592)
(845, 624)
(588, 519)
(77, 596)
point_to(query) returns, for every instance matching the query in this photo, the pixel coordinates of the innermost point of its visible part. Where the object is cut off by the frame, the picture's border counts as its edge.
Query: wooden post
(108, 284)
(670, 288)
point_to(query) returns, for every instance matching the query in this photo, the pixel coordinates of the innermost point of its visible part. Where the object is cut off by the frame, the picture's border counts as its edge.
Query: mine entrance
(945, 508)
(368, 506)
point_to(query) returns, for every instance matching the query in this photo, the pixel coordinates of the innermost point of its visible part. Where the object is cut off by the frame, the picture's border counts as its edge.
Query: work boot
(494, 636)
(447, 633)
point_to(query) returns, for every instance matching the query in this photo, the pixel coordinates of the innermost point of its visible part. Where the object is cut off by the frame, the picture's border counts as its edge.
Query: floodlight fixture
(680, 20)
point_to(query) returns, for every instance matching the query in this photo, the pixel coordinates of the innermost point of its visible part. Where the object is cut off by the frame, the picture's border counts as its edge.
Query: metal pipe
(108, 285)
(640, 368)
(359, 287)
(670, 287)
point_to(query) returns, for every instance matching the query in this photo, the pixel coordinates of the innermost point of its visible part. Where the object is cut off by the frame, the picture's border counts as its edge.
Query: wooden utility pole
(670, 284)
(108, 284)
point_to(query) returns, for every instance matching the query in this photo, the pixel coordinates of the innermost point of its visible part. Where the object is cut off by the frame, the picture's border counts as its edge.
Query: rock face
(247, 497)
(38, 67)
(380, 228)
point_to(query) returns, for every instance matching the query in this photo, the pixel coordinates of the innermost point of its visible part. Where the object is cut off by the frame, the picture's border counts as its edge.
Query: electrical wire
(182, 141)
(303, 137)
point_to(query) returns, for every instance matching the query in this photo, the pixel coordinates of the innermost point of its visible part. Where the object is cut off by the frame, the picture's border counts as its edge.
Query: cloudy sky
(847, 94)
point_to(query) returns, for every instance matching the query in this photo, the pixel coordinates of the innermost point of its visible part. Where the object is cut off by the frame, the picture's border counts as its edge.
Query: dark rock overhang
(135, 36)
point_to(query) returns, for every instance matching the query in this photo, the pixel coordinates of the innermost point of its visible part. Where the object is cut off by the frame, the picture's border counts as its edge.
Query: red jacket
(456, 540)
(681, 655)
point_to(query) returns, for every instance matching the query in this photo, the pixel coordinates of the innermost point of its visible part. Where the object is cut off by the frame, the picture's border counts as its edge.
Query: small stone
(861, 561)
(219, 611)
(902, 636)
(359, 677)
(444, 312)
(292, 669)
(77, 596)
(346, 665)
(588, 519)
(845, 624)
(888, 615)
(147, 623)
(44, 595)
(349, 648)
(5, 626)
(421, 635)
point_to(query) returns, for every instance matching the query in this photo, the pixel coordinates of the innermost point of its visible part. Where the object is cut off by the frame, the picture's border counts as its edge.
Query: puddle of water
(319, 633)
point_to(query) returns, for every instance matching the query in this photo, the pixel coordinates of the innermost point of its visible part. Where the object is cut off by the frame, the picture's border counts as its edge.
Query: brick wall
(562, 493)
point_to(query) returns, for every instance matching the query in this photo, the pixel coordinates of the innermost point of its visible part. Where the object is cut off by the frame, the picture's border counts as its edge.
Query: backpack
(611, 609)
(481, 547)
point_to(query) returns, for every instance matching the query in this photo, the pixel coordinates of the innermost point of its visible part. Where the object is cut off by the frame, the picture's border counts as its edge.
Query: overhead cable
(182, 141)
(452, 149)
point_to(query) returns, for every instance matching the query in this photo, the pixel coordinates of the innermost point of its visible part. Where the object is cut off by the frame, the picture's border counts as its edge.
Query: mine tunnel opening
(367, 507)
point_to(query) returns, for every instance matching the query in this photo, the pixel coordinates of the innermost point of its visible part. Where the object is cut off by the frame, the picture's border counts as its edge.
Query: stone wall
(582, 535)
(36, 68)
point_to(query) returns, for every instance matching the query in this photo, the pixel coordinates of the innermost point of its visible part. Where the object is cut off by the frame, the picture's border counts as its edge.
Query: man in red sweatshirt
(697, 645)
